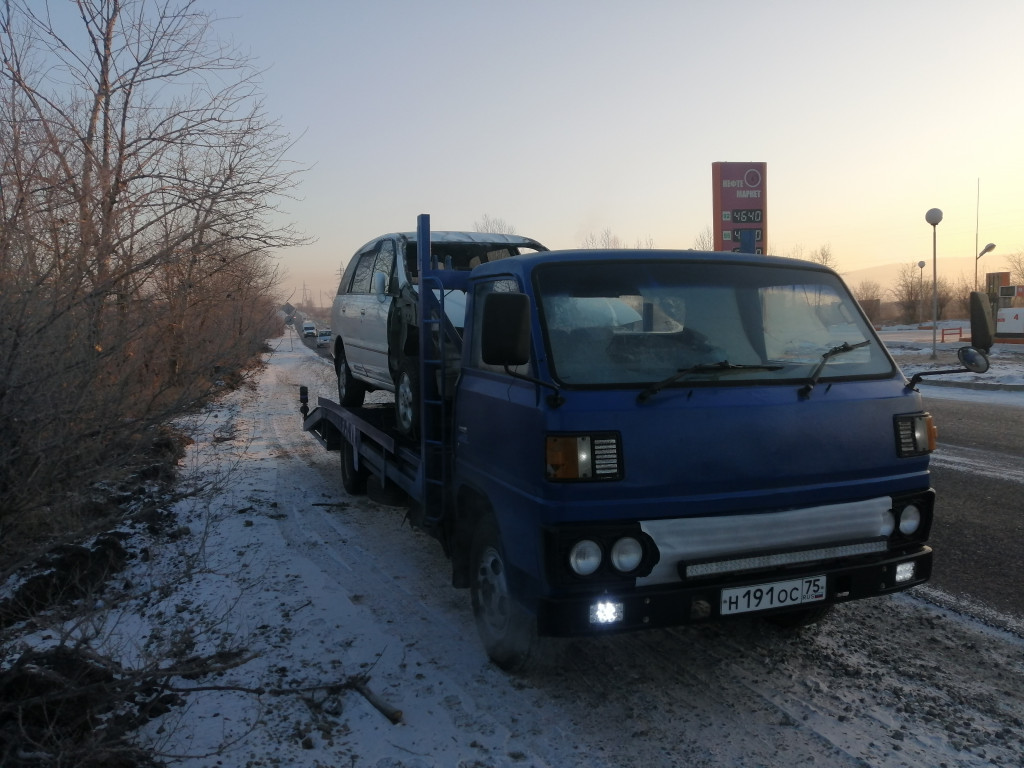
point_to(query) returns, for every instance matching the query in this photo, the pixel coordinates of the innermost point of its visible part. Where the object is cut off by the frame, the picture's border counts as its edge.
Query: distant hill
(949, 269)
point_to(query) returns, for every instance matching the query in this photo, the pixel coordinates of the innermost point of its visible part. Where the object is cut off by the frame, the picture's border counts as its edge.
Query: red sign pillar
(741, 203)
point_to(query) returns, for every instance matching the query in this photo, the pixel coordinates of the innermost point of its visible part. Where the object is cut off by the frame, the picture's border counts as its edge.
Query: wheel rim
(342, 375)
(404, 402)
(493, 592)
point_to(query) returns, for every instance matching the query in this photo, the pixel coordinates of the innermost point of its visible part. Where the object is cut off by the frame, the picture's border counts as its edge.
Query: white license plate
(762, 597)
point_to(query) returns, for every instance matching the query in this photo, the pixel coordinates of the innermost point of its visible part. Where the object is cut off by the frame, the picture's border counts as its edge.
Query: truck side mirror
(981, 322)
(505, 329)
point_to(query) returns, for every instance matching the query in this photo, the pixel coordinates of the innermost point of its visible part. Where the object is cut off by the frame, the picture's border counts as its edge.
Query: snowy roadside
(298, 591)
(330, 587)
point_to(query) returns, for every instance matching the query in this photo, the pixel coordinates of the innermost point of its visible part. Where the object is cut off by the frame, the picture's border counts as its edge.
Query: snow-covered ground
(1002, 383)
(303, 591)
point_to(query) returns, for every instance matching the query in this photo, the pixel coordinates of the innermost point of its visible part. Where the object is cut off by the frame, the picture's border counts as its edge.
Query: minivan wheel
(508, 632)
(350, 391)
(407, 398)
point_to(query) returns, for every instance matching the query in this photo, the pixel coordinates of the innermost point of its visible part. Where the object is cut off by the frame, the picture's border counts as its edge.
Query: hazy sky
(567, 117)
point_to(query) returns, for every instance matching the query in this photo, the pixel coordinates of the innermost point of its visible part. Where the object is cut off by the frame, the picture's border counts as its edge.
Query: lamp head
(933, 217)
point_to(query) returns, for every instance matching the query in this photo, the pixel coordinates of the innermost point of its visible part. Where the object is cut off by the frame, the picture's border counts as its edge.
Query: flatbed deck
(370, 430)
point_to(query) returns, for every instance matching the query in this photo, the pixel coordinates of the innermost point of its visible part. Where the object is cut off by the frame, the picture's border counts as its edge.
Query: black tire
(407, 398)
(352, 480)
(803, 617)
(508, 631)
(350, 391)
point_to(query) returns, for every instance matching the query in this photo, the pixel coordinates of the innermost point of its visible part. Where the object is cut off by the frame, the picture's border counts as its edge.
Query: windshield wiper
(720, 367)
(805, 390)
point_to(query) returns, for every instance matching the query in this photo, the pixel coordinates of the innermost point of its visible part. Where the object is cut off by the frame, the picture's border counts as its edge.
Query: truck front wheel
(508, 632)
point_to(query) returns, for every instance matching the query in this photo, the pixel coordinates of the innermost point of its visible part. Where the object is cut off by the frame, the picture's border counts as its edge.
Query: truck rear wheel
(508, 632)
(350, 391)
(352, 480)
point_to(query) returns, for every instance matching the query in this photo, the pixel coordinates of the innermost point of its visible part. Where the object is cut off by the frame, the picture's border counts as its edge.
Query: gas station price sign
(740, 200)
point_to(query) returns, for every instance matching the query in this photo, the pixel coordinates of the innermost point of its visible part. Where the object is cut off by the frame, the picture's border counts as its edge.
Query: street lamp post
(920, 294)
(987, 249)
(933, 217)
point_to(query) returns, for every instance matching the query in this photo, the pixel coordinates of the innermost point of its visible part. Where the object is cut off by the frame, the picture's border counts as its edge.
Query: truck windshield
(638, 323)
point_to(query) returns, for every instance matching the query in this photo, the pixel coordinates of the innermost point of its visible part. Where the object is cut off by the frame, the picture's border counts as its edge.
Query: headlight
(915, 434)
(583, 457)
(888, 523)
(910, 519)
(585, 557)
(626, 554)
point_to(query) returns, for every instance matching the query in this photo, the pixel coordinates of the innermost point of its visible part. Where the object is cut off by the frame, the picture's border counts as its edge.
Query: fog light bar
(904, 572)
(783, 558)
(607, 612)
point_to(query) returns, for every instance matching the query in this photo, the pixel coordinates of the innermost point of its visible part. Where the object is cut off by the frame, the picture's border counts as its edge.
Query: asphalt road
(978, 476)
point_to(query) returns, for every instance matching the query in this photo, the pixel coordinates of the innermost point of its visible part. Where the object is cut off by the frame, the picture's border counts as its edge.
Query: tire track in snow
(977, 461)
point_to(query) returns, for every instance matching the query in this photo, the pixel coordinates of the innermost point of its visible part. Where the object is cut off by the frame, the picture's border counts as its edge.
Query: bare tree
(869, 295)
(916, 297)
(908, 293)
(494, 225)
(606, 239)
(705, 241)
(1015, 264)
(825, 257)
(137, 197)
(868, 290)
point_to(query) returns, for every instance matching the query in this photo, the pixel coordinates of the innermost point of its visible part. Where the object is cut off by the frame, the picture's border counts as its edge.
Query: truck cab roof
(528, 261)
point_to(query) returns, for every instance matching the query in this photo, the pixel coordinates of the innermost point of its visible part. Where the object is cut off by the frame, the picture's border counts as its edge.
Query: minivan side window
(385, 262)
(361, 281)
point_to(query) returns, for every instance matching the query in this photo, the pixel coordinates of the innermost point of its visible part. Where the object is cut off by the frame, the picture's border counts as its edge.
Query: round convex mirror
(972, 359)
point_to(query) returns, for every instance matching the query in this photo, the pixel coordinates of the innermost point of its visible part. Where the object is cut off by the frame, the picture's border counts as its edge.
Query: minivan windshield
(639, 323)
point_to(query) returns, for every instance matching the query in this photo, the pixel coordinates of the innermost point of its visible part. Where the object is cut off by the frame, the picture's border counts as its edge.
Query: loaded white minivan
(374, 319)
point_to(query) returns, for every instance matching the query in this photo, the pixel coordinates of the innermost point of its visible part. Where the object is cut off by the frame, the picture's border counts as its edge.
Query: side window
(385, 261)
(501, 285)
(364, 272)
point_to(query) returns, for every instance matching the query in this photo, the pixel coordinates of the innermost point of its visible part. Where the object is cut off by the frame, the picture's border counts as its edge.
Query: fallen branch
(357, 683)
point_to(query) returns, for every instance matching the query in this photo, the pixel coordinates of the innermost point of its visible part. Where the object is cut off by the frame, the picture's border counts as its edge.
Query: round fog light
(585, 557)
(910, 519)
(627, 553)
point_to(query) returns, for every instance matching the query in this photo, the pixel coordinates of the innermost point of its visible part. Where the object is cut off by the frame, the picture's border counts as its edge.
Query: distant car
(375, 314)
(308, 329)
(324, 337)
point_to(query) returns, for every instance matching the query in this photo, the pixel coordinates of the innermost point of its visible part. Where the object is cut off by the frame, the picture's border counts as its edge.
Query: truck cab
(663, 437)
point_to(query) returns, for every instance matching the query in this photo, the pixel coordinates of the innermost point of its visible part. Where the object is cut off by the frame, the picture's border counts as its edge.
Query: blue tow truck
(638, 439)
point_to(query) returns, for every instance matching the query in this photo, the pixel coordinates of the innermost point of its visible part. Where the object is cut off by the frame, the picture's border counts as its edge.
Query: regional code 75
(762, 597)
